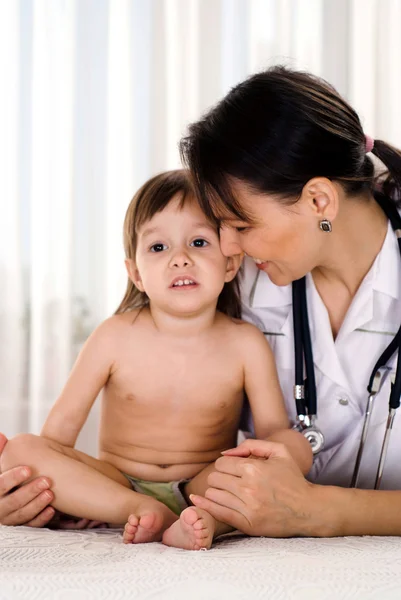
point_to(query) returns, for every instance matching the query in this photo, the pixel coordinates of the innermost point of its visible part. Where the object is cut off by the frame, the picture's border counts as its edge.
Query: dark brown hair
(274, 132)
(151, 198)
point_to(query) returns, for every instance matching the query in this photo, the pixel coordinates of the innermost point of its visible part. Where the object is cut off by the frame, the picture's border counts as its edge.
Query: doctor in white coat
(283, 164)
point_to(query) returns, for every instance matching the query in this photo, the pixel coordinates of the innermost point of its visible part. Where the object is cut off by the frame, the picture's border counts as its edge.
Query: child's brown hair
(151, 198)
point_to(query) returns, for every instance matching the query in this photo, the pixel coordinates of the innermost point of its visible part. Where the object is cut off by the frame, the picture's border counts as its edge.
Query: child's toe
(133, 520)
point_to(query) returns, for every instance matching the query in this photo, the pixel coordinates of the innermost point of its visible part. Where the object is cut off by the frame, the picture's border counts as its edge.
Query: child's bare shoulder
(117, 325)
(243, 331)
(126, 319)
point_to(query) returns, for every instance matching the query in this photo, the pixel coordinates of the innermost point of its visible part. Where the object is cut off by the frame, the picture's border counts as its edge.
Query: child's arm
(266, 399)
(88, 376)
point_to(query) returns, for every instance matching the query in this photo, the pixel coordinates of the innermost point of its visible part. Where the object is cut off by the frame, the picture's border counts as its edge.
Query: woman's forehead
(227, 210)
(230, 203)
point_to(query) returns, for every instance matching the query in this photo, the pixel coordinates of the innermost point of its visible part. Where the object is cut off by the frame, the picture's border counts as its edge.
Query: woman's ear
(133, 274)
(322, 196)
(233, 264)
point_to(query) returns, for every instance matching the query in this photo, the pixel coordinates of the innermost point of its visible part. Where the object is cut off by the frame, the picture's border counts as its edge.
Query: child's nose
(180, 259)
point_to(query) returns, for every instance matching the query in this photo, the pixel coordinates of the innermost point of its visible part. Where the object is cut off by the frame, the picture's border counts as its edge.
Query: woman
(282, 163)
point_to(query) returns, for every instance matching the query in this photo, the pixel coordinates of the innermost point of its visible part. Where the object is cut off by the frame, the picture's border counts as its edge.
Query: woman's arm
(272, 498)
(266, 400)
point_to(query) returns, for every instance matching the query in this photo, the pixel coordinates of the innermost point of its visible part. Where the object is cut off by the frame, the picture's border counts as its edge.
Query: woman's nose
(229, 242)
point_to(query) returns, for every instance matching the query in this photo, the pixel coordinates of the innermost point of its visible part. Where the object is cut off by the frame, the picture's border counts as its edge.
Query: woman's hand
(259, 489)
(27, 505)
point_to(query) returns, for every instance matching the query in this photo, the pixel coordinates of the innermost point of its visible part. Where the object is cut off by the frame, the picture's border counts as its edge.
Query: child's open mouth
(181, 283)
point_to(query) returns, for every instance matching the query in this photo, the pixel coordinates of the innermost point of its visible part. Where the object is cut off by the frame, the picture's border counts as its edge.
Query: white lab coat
(342, 368)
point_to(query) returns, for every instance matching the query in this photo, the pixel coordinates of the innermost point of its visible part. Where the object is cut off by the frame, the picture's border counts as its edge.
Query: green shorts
(169, 493)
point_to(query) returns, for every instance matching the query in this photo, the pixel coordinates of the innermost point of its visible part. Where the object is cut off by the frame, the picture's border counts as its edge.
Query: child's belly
(162, 472)
(163, 449)
(157, 439)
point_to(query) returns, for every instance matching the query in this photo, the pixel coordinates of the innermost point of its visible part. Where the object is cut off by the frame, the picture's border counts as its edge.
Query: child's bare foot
(193, 531)
(149, 526)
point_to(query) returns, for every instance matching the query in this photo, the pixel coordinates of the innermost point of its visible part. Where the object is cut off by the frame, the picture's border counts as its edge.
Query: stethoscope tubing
(305, 390)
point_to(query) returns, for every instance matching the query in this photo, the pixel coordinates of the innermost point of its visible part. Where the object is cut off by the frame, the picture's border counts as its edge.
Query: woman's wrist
(336, 511)
(325, 511)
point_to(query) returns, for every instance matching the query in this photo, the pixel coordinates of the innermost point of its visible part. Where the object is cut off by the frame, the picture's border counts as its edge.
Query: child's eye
(242, 229)
(199, 243)
(158, 247)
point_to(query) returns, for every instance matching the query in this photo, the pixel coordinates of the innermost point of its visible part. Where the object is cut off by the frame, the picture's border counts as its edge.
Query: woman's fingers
(221, 513)
(240, 450)
(28, 512)
(223, 481)
(42, 518)
(231, 465)
(259, 449)
(12, 478)
(26, 503)
(225, 498)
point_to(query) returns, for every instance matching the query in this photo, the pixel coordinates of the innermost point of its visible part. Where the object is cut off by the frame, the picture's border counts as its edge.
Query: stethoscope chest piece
(305, 384)
(315, 437)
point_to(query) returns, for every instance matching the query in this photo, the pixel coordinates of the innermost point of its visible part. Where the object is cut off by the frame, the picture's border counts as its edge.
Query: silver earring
(325, 225)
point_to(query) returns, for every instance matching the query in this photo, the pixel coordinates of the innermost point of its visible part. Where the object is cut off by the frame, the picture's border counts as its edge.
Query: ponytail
(391, 159)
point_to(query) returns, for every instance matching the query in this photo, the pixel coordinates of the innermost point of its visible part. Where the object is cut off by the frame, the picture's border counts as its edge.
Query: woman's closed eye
(159, 247)
(199, 243)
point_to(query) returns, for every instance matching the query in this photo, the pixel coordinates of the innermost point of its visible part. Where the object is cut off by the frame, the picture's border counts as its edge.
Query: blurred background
(94, 97)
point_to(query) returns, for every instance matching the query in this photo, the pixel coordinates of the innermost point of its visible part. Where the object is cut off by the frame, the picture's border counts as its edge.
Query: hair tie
(369, 144)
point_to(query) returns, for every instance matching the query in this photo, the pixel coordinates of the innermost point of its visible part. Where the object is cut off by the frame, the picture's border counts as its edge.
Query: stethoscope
(305, 388)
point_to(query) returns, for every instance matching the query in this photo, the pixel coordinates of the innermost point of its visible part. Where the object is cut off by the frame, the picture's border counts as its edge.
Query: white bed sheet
(95, 565)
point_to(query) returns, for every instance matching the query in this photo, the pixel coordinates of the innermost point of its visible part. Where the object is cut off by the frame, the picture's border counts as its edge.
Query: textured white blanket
(48, 565)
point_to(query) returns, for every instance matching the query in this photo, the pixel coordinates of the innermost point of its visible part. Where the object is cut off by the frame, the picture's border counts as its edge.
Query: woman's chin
(277, 277)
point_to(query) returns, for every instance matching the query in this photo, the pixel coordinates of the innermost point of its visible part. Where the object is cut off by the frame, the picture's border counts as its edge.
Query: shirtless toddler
(174, 364)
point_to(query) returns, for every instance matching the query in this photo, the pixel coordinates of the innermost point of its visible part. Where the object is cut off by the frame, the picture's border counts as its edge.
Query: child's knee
(21, 450)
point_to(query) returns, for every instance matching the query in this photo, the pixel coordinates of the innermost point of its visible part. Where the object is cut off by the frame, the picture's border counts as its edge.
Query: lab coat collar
(325, 355)
(262, 292)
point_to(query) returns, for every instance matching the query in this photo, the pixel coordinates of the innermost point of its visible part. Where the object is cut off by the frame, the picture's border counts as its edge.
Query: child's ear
(133, 274)
(233, 264)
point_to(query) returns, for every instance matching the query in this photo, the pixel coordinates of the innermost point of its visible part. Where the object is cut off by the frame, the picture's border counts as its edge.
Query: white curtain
(95, 95)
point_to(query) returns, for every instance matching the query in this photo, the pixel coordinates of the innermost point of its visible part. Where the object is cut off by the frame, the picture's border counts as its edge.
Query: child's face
(179, 263)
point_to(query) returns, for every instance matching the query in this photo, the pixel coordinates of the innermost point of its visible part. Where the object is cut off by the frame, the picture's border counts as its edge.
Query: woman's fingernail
(25, 473)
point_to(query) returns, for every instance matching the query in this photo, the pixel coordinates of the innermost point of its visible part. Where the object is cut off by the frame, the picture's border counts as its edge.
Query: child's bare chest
(187, 376)
(183, 403)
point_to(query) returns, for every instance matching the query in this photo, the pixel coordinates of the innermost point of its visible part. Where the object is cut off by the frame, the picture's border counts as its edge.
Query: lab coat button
(343, 401)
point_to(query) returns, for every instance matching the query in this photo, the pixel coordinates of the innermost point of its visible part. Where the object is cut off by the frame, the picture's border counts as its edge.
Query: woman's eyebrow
(231, 220)
(247, 220)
